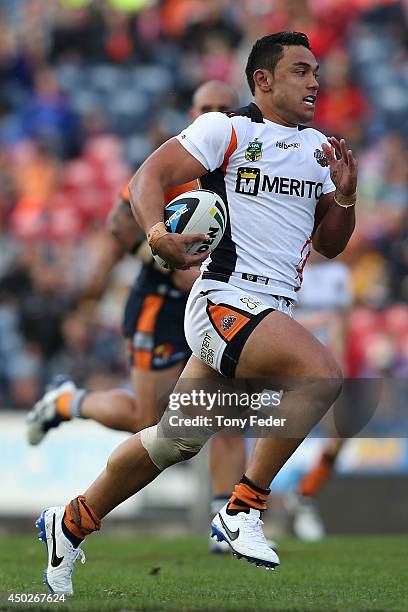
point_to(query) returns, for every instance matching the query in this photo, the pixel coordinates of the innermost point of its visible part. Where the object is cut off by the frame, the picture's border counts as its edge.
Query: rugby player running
(281, 199)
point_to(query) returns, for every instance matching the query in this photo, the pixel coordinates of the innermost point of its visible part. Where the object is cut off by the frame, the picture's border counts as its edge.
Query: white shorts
(219, 319)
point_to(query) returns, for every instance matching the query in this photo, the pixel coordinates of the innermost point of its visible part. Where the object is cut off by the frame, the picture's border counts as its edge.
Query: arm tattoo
(123, 227)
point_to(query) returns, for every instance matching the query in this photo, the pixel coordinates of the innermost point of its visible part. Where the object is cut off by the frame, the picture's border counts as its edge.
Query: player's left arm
(335, 216)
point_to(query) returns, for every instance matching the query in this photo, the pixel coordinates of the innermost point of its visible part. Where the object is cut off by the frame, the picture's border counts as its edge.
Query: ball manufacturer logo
(175, 216)
(227, 322)
(212, 234)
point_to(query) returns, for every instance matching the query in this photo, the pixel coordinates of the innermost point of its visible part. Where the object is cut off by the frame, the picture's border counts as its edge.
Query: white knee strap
(165, 451)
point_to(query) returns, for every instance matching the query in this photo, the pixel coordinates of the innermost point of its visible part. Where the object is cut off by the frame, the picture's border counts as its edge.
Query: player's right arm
(170, 165)
(199, 149)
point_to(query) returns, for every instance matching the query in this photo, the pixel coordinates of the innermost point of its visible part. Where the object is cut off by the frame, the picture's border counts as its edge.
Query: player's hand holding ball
(171, 250)
(194, 223)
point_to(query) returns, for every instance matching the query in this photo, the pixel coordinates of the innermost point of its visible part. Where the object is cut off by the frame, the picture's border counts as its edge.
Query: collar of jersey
(284, 128)
(278, 126)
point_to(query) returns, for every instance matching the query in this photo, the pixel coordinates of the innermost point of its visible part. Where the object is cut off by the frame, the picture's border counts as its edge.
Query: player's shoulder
(209, 126)
(213, 118)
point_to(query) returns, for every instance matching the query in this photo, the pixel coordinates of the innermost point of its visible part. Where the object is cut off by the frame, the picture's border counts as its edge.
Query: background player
(154, 327)
(322, 308)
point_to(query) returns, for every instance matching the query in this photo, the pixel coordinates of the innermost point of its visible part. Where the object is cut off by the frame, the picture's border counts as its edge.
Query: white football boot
(61, 552)
(244, 535)
(307, 522)
(221, 547)
(44, 415)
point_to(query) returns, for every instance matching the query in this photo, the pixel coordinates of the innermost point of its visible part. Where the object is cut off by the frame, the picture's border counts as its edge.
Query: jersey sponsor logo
(292, 187)
(206, 352)
(288, 145)
(227, 322)
(321, 158)
(253, 151)
(248, 181)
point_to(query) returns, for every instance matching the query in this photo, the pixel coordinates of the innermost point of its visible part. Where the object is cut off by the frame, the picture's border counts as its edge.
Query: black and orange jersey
(169, 194)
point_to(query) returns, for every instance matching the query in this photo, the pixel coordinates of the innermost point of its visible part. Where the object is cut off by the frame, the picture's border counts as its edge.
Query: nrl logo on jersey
(253, 151)
(227, 322)
(321, 158)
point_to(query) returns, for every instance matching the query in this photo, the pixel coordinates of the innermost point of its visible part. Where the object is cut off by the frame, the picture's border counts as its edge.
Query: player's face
(295, 85)
(213, 99)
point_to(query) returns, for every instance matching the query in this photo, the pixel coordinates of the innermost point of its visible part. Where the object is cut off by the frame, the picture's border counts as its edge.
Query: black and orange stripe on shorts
(146, 323)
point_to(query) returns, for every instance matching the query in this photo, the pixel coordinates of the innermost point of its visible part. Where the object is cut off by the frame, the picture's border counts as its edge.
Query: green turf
(344, 574)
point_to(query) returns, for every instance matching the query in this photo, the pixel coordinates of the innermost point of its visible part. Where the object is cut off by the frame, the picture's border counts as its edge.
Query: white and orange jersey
(271, 178)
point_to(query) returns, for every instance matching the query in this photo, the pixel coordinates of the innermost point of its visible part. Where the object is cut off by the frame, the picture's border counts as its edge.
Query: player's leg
(131, 466)
(227, 464)
(322, 470)
(154, 328)
(114, 408)
(154, 347)
(134, 464)
(307, 522)
(119, 409)
(269, 354)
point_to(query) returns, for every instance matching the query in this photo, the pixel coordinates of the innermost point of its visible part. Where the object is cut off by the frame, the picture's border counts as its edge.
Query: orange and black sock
(313, 480)
(63, 406)
(247, 495)
(79, 520)
(69, 404)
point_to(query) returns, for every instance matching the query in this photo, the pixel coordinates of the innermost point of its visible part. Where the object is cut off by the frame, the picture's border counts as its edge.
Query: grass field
(344, 574)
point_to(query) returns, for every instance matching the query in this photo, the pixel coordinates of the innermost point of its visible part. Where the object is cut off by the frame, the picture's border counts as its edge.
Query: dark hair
(267, 52)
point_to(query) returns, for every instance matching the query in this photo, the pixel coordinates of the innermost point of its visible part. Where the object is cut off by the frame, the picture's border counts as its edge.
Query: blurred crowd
(89, 88)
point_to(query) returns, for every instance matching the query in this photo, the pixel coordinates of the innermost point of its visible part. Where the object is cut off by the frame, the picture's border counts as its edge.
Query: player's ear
(263, 79)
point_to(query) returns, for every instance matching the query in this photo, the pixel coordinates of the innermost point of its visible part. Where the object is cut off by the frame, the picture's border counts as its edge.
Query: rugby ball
(199, 211)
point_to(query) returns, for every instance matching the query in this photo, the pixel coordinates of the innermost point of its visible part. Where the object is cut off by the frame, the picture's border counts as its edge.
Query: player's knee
(330, 382)
(335, 376)
(144, 421)
(165, 451)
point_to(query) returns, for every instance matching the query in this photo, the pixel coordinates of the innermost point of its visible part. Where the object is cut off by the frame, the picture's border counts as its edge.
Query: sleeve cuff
(193, 150)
